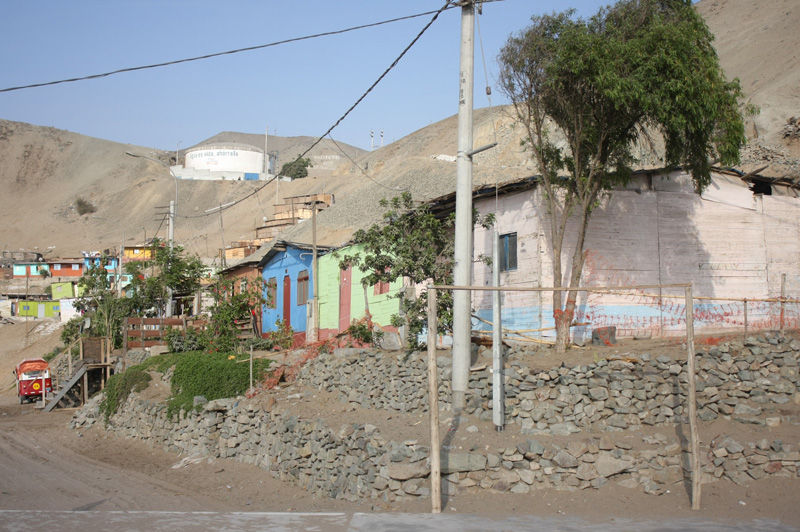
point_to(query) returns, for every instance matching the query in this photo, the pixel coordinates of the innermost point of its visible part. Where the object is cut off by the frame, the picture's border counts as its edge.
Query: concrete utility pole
(173, 205)
(462, 271)
(498, 393)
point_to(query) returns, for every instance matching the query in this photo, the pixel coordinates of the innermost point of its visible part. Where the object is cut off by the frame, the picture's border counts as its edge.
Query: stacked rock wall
(745, 382)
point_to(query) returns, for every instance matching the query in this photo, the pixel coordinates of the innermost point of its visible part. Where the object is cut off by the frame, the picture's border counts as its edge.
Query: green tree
(638, 68)
(297, 168)
(234, 299)
(99, 301)
(166, 268)
(410, 243)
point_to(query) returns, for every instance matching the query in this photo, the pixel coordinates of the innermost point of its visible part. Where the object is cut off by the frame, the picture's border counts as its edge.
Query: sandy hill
(44, 171)
(325, 156)
(758, 43)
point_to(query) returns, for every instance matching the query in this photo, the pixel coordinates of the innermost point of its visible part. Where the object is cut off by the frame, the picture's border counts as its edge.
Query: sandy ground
(44, 465)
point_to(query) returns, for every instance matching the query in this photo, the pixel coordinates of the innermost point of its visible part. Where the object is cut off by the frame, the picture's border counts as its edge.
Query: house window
(272, 293)
(302, 287)
(242, 286)
(381, 287)
(76, 266)
(508, 252)
(56, 267)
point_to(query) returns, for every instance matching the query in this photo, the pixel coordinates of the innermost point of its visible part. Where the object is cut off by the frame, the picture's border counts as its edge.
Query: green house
(62, 290)
(37, 309)
(343, 298)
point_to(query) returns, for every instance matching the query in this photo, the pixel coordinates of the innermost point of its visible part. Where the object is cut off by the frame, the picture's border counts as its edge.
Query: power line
(217, 54)
(362, 169)
(446, 5)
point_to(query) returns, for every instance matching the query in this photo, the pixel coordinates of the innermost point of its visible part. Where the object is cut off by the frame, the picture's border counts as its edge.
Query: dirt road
(47, 467)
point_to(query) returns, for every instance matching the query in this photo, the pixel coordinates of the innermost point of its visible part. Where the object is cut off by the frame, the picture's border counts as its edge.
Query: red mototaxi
(29, 374)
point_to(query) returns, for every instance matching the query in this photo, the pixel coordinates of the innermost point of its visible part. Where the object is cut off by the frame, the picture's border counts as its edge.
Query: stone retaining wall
(744, 382)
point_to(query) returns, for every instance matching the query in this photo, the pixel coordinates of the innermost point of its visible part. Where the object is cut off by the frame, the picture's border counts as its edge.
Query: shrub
(212, 375)
(84, 206)
(363, 331)
(180, 341)
(120, 386)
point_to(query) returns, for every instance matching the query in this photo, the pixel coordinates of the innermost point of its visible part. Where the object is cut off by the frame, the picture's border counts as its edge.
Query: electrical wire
(155, 235)
(489, 98)
(346, 113)
(217, 54)
(397, 189)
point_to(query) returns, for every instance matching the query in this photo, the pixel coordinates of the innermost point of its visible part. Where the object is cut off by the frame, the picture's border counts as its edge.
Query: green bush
(84, 206)
(180, 341)
(364, 331)
(119, 387)
(212, 375)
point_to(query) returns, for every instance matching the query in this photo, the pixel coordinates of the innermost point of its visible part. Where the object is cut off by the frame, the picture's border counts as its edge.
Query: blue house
(286, 268)
(95, 258)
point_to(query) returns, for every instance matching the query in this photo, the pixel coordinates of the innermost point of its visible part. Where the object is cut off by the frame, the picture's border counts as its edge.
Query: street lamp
(173, 207)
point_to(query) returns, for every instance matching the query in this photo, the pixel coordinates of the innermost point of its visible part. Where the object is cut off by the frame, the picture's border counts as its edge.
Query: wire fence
(497, 388)
(641, 312)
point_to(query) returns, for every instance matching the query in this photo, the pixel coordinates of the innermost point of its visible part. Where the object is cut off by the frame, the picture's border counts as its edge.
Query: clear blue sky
(297, 89)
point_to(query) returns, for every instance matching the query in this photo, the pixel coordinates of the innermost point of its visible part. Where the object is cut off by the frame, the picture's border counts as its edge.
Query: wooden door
(345, 277)
(287, 300)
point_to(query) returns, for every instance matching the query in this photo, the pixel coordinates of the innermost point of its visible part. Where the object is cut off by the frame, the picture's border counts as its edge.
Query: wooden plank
(146, 343)
(172, 322)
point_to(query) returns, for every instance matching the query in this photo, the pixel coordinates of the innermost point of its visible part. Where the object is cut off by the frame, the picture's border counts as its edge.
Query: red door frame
(345, 277)
(287, 300)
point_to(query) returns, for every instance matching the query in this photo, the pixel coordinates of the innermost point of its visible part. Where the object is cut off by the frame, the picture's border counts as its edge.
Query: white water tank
(225, 157)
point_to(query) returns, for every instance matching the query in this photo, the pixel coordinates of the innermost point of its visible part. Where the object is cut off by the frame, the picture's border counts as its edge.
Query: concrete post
(462, 271)
(498, 393)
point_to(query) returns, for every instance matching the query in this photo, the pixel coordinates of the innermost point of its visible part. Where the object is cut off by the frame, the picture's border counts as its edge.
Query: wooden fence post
(783, 298)
(745, 318)
(124, 342)
(692, 399)
(433, 405)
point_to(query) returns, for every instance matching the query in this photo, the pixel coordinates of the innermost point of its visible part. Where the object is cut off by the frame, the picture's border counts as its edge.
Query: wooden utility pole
(783, 298)
(433, 406)
(692, 400)
(171, 247)
(222, 236)
(315, 274)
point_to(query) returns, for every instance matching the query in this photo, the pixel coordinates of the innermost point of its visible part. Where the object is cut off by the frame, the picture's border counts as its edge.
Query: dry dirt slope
(44, 170)
(759, 42)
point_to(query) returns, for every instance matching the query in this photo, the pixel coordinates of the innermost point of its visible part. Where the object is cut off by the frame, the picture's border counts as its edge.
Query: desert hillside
(758, 43)
(44, 171)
